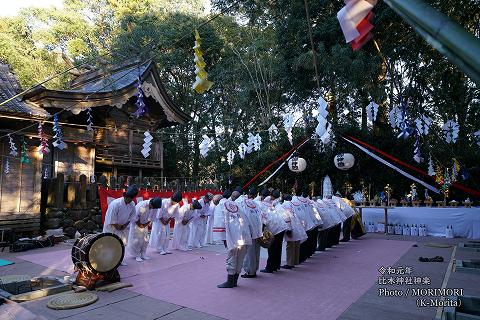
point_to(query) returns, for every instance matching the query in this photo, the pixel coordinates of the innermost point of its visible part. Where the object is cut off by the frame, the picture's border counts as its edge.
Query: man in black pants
(313, 241)
(322, 239)
(347, 226)
(274, 260)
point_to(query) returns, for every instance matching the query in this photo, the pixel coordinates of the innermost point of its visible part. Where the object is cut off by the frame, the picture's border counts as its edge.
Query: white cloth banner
(465, 221)
(351, 15)
(388, 164)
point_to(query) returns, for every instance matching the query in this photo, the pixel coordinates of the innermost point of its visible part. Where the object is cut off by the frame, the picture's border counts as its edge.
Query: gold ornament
(201, 83)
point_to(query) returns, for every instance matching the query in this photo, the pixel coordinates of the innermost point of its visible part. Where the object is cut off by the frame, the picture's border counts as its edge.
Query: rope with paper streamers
(456, 185)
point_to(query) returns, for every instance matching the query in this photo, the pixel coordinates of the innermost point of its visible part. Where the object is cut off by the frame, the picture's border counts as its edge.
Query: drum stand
(92, 280)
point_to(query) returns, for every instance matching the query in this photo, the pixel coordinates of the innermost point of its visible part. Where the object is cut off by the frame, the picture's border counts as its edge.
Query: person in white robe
(119, 215)
(334, 232)
(198, 227)
(138, 236)
(232, 228)
(349, 213)
(307, 248)
(209, 232)
(253, 214)
(181, 230)
(294, 235)
(327, 222)
(275, 223)
(160, 234)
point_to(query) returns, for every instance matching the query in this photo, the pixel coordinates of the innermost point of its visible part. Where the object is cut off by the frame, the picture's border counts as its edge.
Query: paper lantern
(297, 164)
(344, 161)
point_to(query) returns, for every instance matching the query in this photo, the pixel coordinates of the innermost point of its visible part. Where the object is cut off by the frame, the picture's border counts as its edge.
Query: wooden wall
(127, 140)
(75, 160)
(20, 190)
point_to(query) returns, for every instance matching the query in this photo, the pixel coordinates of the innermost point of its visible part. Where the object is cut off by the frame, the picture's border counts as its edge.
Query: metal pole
(452, 40)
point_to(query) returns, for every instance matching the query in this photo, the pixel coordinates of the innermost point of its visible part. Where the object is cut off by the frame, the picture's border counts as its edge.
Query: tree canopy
(259, 56)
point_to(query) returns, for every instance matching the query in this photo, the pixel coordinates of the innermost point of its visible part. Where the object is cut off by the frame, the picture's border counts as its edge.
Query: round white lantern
(344, 161)
(297, 164)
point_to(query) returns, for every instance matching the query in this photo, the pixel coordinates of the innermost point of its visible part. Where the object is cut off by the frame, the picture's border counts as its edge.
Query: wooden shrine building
(112, 148)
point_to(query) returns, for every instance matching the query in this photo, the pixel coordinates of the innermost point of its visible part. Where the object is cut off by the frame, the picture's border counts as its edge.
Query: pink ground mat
(62, 260)
(321, 288)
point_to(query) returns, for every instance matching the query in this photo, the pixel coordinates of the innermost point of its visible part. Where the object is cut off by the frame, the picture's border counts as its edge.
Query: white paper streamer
(450, 130)
(477, 136)
(13, 148)
(205, 145)
(6, 169)
(431, 170)
(250, 142)
(147, 143)
(372, 110)
(230, 157)
(273, 133)
(288, 125)
(324, 128)
(395, 117)
(242, 150)
(89, 120)
(257, 142)
(423, 124)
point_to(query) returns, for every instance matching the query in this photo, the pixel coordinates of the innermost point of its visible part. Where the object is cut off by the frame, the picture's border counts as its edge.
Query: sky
(12, 7)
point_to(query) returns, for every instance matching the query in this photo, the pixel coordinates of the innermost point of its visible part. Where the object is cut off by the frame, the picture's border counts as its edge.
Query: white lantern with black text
(297, 164)
(344, 161)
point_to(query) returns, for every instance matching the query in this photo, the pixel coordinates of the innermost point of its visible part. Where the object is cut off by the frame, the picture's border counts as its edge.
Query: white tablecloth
(465, 221)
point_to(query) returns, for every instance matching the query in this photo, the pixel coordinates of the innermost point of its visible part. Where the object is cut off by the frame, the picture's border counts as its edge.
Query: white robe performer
(275, 223)
(307, 249)
(254, 217)
(334, 232)
(161, 223)
(294, 235)
(119, 214)
(181, 229)
(138, 235)
(349, 213)
(231, 227)
(199, 222)
(209, 232)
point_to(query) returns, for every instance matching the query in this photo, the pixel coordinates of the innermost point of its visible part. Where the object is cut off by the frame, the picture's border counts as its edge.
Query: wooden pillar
(51, 192)
(160, 142)
(93, 192)
(37, 181)
(83, 191)
(113, 182)
(19, 198)
(59, 190)
(130, 142)
(70, 191)
(102, 181)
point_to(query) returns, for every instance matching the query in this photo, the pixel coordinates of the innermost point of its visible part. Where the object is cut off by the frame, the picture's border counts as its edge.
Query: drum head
(106, 253)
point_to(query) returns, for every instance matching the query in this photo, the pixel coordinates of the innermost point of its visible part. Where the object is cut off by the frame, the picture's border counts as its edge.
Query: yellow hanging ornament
(201, 83)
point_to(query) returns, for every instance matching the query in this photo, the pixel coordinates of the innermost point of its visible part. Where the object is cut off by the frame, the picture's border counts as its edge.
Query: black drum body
(98, 253)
